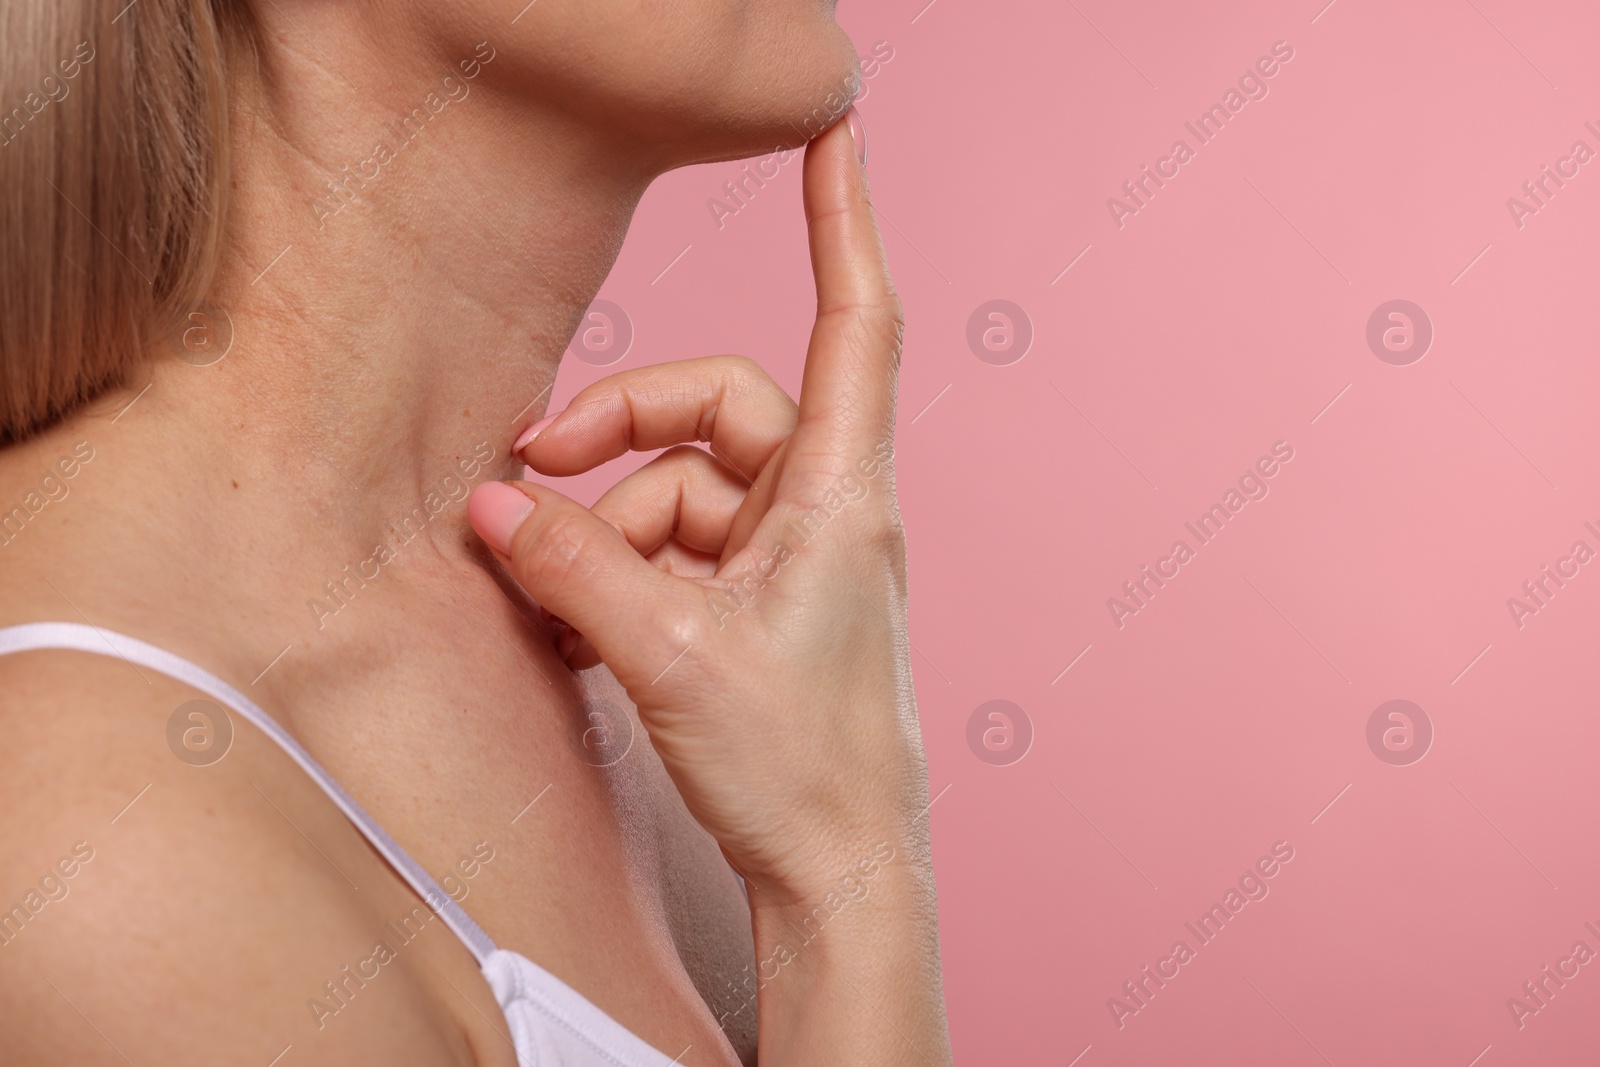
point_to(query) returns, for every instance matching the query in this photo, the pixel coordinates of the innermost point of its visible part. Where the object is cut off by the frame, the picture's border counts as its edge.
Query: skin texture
(376, 348)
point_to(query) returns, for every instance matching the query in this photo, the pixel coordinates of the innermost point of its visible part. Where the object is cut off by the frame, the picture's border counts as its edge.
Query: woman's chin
(779, 120)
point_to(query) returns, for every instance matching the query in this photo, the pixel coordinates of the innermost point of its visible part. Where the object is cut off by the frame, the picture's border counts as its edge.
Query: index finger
(854, 355)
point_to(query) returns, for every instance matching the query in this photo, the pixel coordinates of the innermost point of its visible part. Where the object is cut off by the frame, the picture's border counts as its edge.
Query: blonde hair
(113, 188)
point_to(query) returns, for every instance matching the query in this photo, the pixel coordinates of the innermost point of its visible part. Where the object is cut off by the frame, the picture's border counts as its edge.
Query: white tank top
(551, 1024)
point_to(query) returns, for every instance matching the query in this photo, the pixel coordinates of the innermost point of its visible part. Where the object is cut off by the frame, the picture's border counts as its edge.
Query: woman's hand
(677, 511)
(766, 651)
(752, 601)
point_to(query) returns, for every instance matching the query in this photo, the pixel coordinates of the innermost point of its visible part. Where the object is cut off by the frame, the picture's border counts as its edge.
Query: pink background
(1223, 317)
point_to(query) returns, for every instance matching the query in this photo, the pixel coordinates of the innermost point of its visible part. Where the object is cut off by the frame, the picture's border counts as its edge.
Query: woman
(315, 772)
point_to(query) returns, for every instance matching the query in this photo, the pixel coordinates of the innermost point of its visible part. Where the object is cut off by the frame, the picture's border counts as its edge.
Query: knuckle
(689, 631)
(680, 465)
(741, 366)
(880, 528)
(680, 456)
(748, 380)
(880, 518)
(889, 535)
(684, 628)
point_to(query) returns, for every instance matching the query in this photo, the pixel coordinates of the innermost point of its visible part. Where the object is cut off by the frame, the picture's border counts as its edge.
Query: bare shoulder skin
(238, 884)
(218, 899)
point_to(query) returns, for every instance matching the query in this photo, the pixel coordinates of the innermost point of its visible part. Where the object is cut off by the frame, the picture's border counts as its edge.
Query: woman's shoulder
(168, 902)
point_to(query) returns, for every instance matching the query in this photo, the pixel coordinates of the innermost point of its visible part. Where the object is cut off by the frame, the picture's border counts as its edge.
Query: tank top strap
(77, 637)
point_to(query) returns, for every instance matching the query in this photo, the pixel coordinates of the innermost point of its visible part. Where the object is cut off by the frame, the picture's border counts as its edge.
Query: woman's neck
(400, 279)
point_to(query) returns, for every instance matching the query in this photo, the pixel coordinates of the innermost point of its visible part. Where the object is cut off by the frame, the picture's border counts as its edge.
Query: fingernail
(858, 133)
(569, 641)
(531, 432)
(495, 510)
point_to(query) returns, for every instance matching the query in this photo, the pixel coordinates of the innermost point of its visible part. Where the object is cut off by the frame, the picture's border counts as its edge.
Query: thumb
(581, 568)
